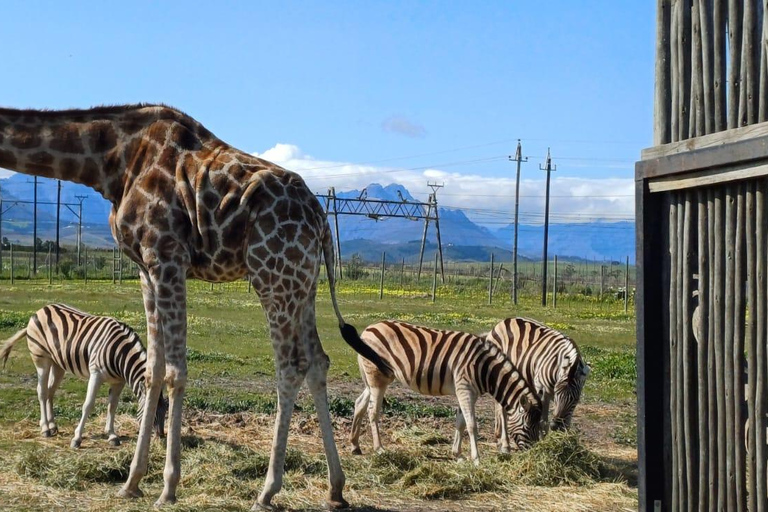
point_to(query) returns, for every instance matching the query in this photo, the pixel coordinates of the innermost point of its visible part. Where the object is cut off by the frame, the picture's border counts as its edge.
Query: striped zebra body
(439, 362)
(550, 361)
(101, 349)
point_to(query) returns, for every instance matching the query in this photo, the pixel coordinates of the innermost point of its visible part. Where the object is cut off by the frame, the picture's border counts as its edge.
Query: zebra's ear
(585, 369)
(525, 404)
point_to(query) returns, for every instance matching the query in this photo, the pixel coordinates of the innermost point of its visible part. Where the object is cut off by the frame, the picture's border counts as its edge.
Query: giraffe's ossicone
(186, 204)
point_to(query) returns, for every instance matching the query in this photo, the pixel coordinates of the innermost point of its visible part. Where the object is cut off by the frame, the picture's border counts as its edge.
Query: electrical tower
(519, 159)
(548, 168)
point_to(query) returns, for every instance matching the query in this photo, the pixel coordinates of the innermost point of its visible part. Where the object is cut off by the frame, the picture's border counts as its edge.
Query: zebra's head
(570, 383)
(160, 413)
(525, 425)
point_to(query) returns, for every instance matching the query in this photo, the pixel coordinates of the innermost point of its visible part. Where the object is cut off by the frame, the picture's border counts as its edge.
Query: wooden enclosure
(702, 242)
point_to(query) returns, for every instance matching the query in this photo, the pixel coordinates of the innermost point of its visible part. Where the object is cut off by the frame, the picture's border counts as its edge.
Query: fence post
(402, 274)
(626, 286)
(602, 280)
(381, 283)
(434, 279)
(11, 263)
(50, 266)
(490, 283)
(85, 266)
(554, 285)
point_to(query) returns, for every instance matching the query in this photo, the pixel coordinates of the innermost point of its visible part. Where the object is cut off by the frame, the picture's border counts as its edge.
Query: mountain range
(463, 239)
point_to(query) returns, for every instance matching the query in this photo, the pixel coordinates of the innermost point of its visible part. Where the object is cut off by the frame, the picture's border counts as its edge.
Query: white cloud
(486, 200)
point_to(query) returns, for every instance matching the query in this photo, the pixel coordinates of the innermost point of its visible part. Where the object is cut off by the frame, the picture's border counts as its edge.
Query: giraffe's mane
(100, 109)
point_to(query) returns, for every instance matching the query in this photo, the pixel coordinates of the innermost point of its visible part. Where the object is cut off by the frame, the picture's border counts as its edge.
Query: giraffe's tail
(348, 332)
(5, 350)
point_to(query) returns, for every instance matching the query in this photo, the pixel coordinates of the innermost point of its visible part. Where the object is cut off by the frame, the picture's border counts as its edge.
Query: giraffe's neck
(98, 148)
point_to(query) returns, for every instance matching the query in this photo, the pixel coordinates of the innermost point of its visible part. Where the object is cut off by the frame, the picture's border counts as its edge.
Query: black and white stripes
(63, 339)
(549, 360)
(440, 362)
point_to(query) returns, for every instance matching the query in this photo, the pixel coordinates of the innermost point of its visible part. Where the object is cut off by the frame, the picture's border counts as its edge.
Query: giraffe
(187, 205)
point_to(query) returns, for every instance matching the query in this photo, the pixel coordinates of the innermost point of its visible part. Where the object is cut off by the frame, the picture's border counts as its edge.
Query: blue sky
(353, 92)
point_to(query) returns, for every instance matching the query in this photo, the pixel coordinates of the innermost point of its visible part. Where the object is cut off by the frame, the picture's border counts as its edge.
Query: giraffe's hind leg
(317, 382)
(291, 367)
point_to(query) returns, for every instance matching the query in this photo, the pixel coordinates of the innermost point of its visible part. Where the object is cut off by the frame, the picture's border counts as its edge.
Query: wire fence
(569, 282)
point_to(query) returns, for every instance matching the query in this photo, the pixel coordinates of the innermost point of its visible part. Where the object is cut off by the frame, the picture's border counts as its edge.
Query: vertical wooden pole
(626, 287)
(662, 99)
(50, 266)
(701, 332)
(750, 66)
(711, 380)
(490, 283)
(705, 10)
(719, 343)
(602, 280)
(763, 55)
(738, 349)
(675, 403)
(728, 339)
(684, 61)
(85, 266)
(674, 75)
(12, 263)
(381, 282)
(689, 387)
(719, 26)
(734, 60)
(434, 280)
(697, 125)
(752, 331)
(554, 285)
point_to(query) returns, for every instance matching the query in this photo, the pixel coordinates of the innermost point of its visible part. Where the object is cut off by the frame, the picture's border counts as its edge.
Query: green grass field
(231, 400)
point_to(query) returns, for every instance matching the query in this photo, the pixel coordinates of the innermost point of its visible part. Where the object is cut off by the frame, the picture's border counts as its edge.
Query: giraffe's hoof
(54, 430)
(260, 507)
(114, 441)
(75, 443)
(504, 449)
(47, 433)
(336, 504)
(125, 492)
(357, 451)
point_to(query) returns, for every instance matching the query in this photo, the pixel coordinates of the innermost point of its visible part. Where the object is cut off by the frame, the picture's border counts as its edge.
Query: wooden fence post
(626, 286)
(554, 285)
(381, 282)
(434, 280)
(11, 263)
(85, 266)
(490, 283)
(50, 266)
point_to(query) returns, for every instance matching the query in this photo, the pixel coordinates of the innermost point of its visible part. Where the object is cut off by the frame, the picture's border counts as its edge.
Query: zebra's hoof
(54, 431)
(75, 443)
(261, 507)
(336, 504)
(124, 492)
(115, 441)
(165, 500)
(504, 449)
(47, 433)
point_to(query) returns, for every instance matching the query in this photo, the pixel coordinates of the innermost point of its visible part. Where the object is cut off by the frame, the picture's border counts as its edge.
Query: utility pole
(549, 168)
(519, 159)
(435, 187)
(58, 217)
(80, 227)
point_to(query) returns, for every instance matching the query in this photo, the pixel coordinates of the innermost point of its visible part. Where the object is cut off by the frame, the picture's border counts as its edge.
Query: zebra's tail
(8, 344)
(348, 332)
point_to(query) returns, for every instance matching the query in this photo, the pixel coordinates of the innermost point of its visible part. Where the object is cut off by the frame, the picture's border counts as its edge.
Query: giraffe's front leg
(153, 381)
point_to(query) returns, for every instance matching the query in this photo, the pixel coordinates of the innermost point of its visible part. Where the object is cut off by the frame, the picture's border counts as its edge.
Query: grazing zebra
(438, 362)
(550, 361)
(98, 348)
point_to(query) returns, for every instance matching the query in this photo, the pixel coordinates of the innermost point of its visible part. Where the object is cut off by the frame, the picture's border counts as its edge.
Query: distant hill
(463, 239)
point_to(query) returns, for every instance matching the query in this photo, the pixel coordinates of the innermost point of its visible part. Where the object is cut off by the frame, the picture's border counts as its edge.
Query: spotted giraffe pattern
(187, 205)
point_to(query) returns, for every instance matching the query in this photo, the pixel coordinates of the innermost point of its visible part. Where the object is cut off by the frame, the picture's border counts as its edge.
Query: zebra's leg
(114, 399)
(94, 383)
(153, 381)
(361, 406)
(500, 428)
(467, 398)
(57, 373)
(43, 370)
(317, 382)
(291, 367)
(374, 412)
(458, 433)
(545, 400)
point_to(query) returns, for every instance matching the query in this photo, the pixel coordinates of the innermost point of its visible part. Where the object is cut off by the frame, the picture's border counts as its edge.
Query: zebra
(441, 362)
(98, 348)
(550, 361)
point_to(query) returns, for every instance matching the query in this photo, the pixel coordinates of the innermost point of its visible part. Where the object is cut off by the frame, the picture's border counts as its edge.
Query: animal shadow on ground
(620, 469)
